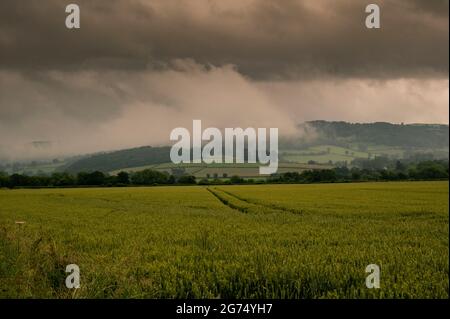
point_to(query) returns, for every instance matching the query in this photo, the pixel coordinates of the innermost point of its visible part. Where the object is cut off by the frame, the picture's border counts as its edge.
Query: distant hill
(324, 143)
(381, 133)
(110, 161)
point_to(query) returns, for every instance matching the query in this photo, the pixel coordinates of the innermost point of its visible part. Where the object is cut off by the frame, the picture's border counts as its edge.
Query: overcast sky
(136, 69)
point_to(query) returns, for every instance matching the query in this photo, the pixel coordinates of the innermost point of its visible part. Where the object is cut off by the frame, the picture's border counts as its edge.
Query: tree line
(427, 170)
(96, 178)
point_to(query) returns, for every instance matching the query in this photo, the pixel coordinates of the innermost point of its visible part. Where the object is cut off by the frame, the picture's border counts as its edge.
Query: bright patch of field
(326, 153)
(263, 241)
(323, 154)
(386, 150)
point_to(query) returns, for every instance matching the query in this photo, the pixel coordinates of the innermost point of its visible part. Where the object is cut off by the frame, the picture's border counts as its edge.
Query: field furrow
(265, 205)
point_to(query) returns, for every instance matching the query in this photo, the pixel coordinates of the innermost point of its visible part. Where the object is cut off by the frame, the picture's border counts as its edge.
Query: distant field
(259, 241)
(327, 153)
(324, 154)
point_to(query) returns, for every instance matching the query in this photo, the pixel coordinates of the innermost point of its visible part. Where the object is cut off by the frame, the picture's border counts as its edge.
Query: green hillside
(381, 133)
(333, 143)
(110, 161)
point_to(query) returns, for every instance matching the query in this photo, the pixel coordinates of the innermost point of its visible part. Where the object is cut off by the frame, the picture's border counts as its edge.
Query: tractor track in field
(246, 206)
(270, 206)
(226, 202)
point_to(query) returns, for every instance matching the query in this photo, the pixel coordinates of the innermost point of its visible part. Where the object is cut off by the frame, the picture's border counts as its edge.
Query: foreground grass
(261, 241)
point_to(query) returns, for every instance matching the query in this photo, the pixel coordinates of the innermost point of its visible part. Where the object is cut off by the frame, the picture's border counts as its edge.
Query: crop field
(249, 241)
(326, 153)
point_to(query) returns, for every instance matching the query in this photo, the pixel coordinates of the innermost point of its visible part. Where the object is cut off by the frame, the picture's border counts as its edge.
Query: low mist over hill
(381, 133)
(326, 142)
(132, 157)
(363, 135)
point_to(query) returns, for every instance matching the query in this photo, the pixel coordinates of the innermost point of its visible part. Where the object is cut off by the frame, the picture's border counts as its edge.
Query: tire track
(226, 202)
(268, 206)
(246, 206)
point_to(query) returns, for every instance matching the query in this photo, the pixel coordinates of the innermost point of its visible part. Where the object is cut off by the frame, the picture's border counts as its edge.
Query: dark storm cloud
(434, 7)
(137, 69)
(263, 39)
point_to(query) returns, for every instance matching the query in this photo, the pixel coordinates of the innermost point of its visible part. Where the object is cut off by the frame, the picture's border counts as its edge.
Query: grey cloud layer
(137, 69)
(264, 39)
(88, 111)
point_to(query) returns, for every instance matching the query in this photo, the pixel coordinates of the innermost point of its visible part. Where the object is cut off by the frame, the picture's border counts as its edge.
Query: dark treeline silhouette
(96, 178)
(110, 161)
(427, 170)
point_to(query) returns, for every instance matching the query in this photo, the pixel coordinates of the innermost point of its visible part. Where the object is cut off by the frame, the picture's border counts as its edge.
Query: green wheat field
(260, 241)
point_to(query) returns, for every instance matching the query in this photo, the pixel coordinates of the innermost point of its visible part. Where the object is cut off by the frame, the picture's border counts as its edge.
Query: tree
(356, 174)
(94, 178)
(18, 180)
(4, 180)
(62, 179)
(171, 180)
(399, 166)
(203, 181)
(149, 177)
(431, 170)
(187, 179)
(123, 178)
(236, 179)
